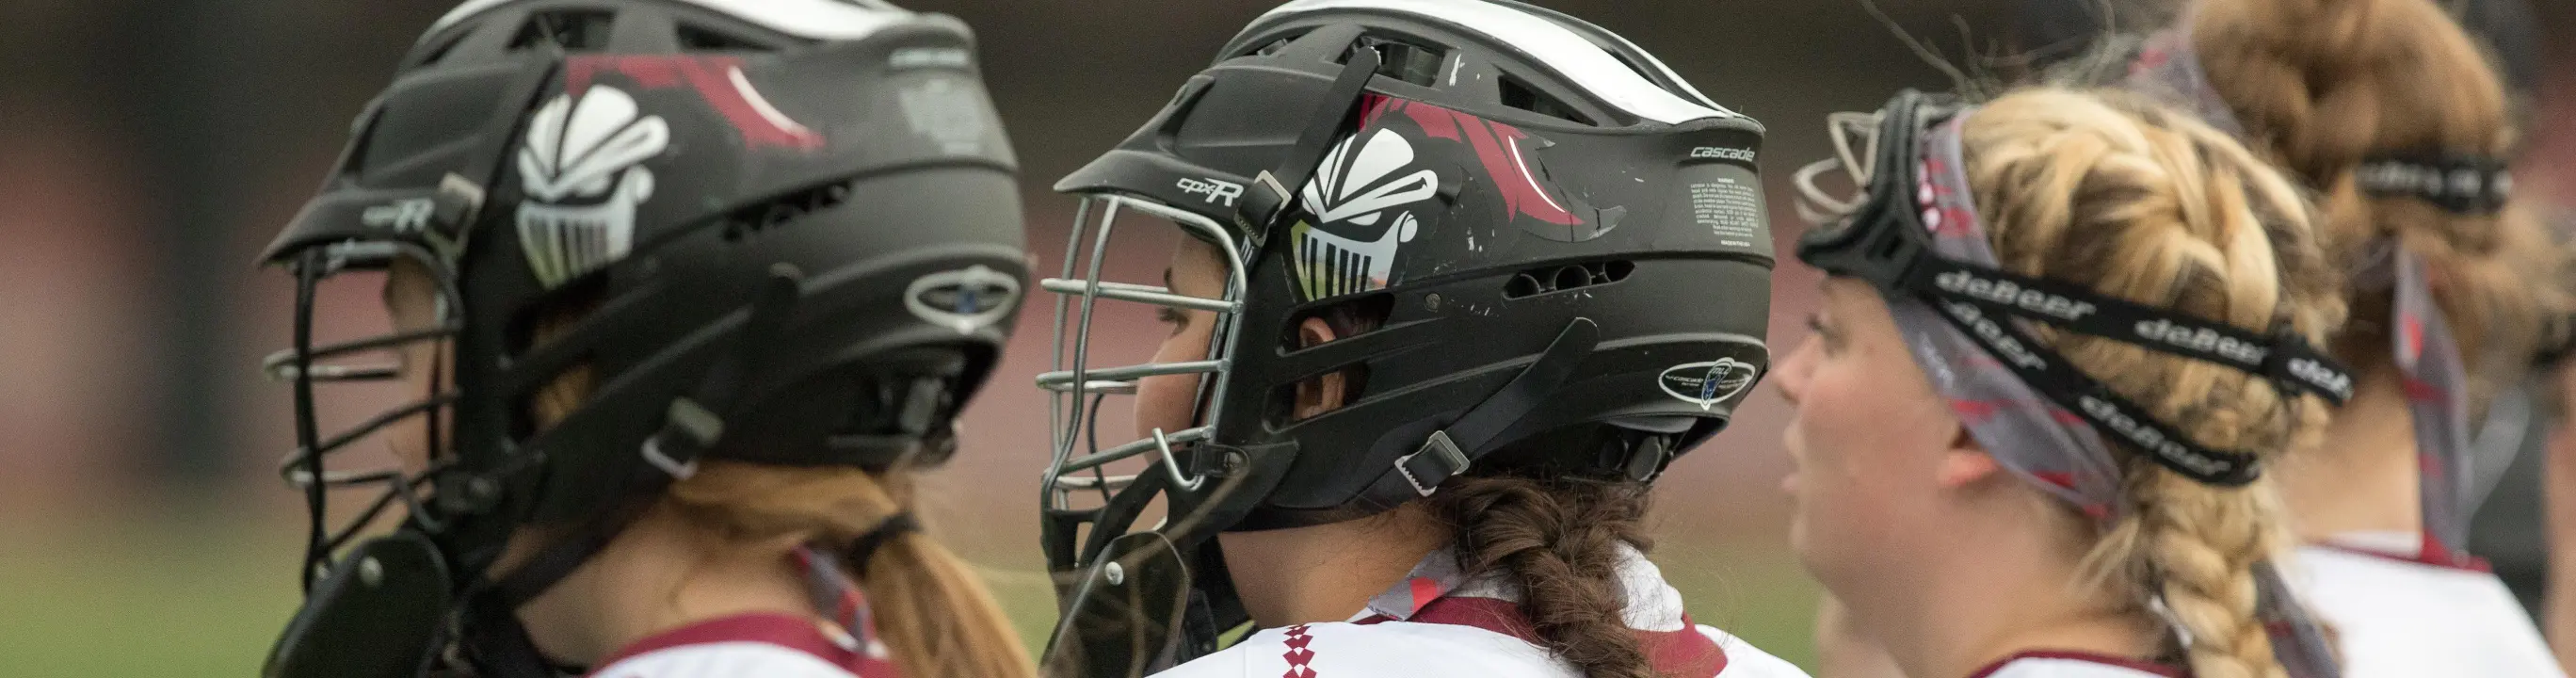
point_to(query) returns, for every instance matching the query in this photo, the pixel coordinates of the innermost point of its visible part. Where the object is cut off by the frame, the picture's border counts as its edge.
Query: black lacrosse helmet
(791, 232)
(1567, 242)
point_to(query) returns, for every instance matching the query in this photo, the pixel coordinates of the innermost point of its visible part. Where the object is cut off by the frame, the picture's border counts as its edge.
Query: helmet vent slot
(572, 31)
(1565, 277)
(702, 39)
(1402, 59)
(1519, 94)
(1274, 46)
(749, 221)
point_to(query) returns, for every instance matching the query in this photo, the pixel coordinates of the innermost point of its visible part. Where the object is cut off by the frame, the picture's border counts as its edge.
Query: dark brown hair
(1559, 539)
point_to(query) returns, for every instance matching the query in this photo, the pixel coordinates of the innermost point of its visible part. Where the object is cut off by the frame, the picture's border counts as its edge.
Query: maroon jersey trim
(1685, 652)
(799, 633)
(2166, 670)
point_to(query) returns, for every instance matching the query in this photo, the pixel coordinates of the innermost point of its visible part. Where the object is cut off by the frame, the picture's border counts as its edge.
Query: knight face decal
(1360, 205)
(1707, 384)
(582, 168)
(1380, 189)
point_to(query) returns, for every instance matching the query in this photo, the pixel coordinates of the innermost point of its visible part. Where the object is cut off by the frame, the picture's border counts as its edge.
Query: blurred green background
(148, 148)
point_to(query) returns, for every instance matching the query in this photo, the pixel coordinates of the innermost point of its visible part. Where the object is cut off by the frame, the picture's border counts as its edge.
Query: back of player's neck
(1965, 649)
(663, 574)
(1326, 573)
(2007, 586)
(2363, 477)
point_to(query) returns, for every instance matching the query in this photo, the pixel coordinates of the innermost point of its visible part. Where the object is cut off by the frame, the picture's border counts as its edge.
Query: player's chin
(1796, 446)
(1800, 539)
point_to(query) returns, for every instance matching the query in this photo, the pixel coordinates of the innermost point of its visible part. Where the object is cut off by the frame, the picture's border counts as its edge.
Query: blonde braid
(2108, 190)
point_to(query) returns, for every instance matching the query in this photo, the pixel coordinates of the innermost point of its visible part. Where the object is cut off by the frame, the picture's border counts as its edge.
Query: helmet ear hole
(1347, 318)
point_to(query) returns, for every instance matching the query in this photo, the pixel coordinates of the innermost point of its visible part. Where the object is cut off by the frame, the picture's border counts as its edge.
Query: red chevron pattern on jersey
(1298, 655)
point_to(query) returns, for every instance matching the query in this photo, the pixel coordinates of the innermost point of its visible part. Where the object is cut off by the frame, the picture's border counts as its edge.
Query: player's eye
(1173, 317)
(1832, 336)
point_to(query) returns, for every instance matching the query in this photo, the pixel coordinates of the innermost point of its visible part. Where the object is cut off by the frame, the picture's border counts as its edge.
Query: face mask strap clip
(1262, 208)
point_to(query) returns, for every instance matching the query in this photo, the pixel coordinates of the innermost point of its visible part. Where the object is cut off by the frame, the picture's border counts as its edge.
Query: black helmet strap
(461, 195)
(690, 429)
(1473, 435)
(1261, 208)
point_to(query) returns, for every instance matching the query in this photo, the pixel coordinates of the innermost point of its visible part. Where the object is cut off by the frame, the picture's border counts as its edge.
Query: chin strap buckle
(693, 429)
(1438, 459)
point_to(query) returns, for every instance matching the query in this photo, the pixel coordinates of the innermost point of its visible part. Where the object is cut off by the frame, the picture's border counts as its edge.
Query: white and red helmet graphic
(1366, 199)
(582, 166)
(1359, 199)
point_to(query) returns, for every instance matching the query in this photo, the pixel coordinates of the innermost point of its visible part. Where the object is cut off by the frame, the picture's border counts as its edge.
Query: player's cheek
(1163, 402)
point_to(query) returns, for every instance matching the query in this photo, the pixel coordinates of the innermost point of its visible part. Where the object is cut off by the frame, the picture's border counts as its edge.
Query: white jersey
(2397, 615)
(2045, 664)
(1435, 624)
(749, 646)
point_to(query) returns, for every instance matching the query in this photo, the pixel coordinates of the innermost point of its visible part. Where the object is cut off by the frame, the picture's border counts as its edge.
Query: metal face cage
(370, 359)
(1076, 389)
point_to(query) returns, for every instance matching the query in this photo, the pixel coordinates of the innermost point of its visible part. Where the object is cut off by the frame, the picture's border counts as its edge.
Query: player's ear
(1964, 461)
(1324, 393)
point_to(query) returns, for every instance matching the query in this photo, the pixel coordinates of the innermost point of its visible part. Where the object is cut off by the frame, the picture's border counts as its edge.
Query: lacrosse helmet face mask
(783, 233)
(1474, 169)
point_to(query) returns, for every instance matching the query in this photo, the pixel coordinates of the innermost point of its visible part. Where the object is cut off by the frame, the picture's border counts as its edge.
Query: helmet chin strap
(1473, 435)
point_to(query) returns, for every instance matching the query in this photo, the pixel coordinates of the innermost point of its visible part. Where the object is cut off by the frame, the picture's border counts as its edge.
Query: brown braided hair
(1554, 534)
(2322, 85)
(1559, 539)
